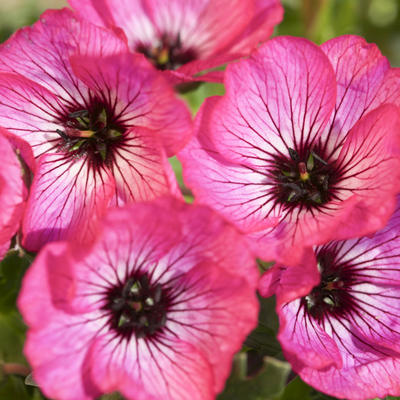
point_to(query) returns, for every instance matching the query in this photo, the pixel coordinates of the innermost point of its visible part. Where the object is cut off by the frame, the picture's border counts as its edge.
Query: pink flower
(343, 335)
(186, 37)
(154, 308)
(300, 150)
(98, 120)
(12, 193)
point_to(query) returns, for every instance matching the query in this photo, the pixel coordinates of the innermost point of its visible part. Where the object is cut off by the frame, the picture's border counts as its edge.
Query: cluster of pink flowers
(134, 290)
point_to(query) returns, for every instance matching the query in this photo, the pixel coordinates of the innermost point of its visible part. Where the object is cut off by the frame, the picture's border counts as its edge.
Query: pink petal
(218, 299)
(259, 117)
(67, 197)
(146, 101)
(30, 112)
(304, 342)
(140, 168)
(360, 70)
(267, 14)
(56, 334)
(290, 283)
(140, 370)
(130, 16)
(203, 25)
(12, 193)
(41, 52)
(389, 89)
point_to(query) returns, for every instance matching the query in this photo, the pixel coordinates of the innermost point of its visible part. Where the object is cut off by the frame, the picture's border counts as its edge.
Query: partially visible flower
(301, 149)
(12, 193)
(341, 331)
(99, 119)
(154, 308)
(185, 37)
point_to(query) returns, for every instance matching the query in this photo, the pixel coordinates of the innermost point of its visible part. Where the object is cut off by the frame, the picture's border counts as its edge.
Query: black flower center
(137, 307)
(332, 296)
(91, 131)
(304, 178)
(168, 53)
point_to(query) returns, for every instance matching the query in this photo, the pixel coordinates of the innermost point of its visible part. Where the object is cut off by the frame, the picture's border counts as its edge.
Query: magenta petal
(41, 52)
(259, 117)
(12, 193)
(67, 197)
(146, 101)
(171, 369)
(360, 71)
(290, 283)
(267, 14)
(30, 112)
(140, 168)
(151, 303)
(304, 342)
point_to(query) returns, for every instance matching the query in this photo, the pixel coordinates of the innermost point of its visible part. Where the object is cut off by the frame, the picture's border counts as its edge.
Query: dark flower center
(331, 296)
(304, 178)
(168, 53)
(91, 131)
(137, 307)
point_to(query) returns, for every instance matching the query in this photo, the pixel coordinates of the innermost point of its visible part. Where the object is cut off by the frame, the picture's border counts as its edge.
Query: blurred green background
(318, 20)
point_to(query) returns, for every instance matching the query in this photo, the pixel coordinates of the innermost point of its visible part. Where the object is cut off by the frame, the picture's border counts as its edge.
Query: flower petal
(144, 100)
(141, 169)
(360, 71)
(41, 52)
(139, 369)
(259, 117)
(12, 193)
(67, 197)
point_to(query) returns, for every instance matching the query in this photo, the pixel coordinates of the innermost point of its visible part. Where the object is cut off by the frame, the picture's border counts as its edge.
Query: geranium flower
(12, 193)
(186, 37)
(97, 117)
(342, 336)
(293, 154)
(154, 308)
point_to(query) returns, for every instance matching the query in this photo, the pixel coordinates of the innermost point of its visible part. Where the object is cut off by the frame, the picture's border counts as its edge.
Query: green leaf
(13, 387)
(112, 396)
(263, 338)
(12, 336)
(266, 385)
(12, 270)
(296, 390)
(195, 98)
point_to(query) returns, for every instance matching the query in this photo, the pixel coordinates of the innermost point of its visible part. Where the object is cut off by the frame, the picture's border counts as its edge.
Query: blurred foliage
(261, 357)
(319, 20)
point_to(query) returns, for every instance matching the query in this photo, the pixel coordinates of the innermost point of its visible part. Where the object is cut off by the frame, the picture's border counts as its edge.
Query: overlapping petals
(100, 121)
(299, 151)
(342, 337)
(13, 192)
(200, 304)
(187, 37)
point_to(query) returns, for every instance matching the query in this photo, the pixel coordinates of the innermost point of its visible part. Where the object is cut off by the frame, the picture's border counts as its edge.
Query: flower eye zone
(137, 307)
(331, 296)
(304, 178)
(168, 53)
(92, 131)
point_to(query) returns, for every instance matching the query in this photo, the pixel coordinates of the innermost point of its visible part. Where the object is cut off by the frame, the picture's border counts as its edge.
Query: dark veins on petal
(305, 177)
(167, 53)
(332, 297)
(92, 130)
(138, 306)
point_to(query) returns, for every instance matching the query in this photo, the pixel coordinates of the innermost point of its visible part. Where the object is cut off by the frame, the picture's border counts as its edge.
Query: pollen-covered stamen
(167, 53)
(304, 178)
(138, 307)
(332, 296)
(91, 132)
